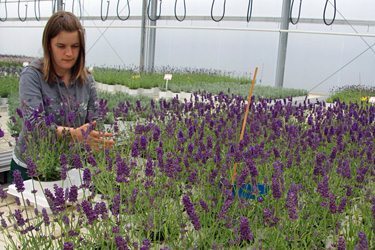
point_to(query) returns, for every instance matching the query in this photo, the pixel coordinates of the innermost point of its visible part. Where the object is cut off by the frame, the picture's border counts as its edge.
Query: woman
(58, 85)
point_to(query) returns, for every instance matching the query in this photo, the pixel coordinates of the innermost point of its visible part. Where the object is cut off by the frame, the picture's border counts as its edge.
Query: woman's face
(64, 51)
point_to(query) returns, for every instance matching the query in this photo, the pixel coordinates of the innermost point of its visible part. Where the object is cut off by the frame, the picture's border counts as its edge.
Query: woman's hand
(95, 138)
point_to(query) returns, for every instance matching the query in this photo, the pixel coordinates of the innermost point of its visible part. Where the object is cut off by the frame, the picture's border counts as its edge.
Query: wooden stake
(244, 121)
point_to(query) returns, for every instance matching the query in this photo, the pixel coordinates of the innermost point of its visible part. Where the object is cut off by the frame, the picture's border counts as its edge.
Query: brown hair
(63, 21)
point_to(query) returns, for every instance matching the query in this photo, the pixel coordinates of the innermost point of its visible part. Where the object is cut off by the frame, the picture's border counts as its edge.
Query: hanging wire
(334, 13)
(118, 12)
(291, 12)
(249, 10)
(175, 11)
(36, 15)
(80, 8)
(6, 12)
(101, 11)
(19, 16)
(212, 10)
(148, 11)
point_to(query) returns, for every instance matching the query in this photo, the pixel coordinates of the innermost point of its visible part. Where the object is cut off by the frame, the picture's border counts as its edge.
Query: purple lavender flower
(18, 181)
(31, 168)
(192, 178)
(86, 177)
(3, 194)
(120, 243)
(204, 205)
(115, 230)
(63, 159)
(156, 134)
(1, 133)
(92, 161)
(45, 217)
(89, 212)
(19, 219)
(3, 223)
(245, 229)
(242, 179)
(276, 192)
(134, 195)
(363, 243)
(293, 214)
(63, 173)
(19, 113)
(143, 142)
(323, 188)
(292, 198)
(28, 125)
(224, 209)
(68, 246)
(332, 204)
(66, 220)
(146, 244)
(135, 147)
(77, 162)
(191, 212)
(70, 118)
(276, 152)
(116, 205)
(73, 194)
(341, 244)
(149, 171)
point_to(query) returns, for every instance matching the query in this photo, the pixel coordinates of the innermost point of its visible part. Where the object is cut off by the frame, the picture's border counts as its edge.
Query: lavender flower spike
(191, 212)
(18, 181)
(245, 229)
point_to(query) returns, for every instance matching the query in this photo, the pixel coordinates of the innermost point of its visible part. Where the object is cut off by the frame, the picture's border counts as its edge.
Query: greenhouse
(187, 124)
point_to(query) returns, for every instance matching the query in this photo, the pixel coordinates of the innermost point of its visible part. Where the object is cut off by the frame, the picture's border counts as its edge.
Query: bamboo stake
(244, 121)
(360, 88)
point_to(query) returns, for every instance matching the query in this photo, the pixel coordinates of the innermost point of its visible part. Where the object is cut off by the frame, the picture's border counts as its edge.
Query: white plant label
(168, 77)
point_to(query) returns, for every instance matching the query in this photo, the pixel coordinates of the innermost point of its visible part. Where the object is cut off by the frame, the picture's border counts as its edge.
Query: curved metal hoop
(36, 14)
(249, 10)
(148, 11)
(334, 13)
(6, 12)
(175, 11)
(291, 12)
(118, 13)
(212, 11)
(19, 16)
(101, 11)
(80, 8)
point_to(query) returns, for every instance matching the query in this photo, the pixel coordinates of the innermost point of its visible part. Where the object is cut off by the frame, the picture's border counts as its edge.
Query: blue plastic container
(245, 192)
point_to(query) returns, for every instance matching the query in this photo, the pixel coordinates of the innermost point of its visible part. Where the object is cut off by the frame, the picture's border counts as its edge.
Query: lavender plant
(168, 185)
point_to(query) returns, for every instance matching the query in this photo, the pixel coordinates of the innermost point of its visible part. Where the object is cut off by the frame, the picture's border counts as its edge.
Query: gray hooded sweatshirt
(41, 99)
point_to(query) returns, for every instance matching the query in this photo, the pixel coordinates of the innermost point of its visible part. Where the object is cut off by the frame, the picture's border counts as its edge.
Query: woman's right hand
(95, 138)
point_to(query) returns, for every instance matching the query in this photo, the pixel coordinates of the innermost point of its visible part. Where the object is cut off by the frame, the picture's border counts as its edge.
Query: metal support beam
(60, 5)
(151, 37)
(283, 44)
(143, 38)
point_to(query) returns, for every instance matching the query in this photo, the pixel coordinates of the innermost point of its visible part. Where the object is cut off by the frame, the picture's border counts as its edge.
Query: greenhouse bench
(5, 158)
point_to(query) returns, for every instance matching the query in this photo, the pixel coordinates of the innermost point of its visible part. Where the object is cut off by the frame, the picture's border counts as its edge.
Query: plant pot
(118, 88)
(40, 186)
(111, 88)
(133, 92)
(246, 190)
(166, 94)
(38, 199)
